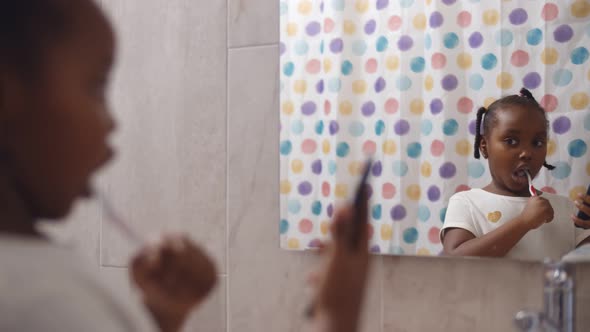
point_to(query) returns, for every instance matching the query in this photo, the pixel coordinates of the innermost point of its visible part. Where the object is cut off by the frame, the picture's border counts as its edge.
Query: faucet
(558, 298)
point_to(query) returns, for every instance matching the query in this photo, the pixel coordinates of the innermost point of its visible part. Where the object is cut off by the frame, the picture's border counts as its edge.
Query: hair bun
(526, 94)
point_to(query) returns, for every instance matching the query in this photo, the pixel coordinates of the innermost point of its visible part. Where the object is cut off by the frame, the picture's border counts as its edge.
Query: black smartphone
(581, 214)
(358, 205)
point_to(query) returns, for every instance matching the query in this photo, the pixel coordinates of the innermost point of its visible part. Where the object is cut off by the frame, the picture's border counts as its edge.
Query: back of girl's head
(29, 27)
(487, 117)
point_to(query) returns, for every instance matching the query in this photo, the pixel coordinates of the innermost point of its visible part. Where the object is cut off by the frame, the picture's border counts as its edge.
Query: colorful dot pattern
(401, 80)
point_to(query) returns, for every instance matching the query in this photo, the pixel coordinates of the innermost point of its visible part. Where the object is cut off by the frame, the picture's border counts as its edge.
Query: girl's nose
(525, 154)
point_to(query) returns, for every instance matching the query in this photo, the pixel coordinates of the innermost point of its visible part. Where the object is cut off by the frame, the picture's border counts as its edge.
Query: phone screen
(581, 214)
(358, 204)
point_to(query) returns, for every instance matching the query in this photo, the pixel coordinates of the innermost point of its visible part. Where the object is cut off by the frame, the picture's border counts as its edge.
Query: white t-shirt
(480, 212)
(44, 287)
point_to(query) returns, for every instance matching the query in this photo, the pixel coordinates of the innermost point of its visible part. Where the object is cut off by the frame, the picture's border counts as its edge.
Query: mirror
(403, 81)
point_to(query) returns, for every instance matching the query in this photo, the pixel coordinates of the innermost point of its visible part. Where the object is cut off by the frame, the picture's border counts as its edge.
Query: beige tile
(267, 289)
(372, 319)
(444, 294)
(79, 231)
(169, 96)
(260, 275)
(211, 315)
(265, 284)
(253, 123)
(582, 299)
(253, 22)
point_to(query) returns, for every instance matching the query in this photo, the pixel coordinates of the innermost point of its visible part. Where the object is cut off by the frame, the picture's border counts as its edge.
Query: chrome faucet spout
(558, 302)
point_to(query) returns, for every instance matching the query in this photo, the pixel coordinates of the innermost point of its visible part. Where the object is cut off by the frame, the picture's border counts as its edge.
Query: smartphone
(581, 214)
(357, 224)
(358, 204)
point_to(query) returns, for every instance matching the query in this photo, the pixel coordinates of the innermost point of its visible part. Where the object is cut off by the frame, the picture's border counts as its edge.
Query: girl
(502, 219)
(55, 59)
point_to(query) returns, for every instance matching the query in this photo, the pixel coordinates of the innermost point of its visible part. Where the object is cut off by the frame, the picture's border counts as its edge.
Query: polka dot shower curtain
(401, 79)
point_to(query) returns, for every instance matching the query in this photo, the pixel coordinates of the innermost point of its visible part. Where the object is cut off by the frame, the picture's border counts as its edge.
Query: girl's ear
(483, 147)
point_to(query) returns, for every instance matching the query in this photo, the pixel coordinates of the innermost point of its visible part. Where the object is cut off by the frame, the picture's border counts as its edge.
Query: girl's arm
(497, 243)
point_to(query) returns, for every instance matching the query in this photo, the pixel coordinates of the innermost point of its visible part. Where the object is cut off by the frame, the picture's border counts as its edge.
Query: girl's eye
(510, 141)
(539, 143)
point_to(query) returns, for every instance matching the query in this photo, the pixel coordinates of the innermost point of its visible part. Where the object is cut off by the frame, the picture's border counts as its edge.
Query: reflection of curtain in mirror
(402, 79)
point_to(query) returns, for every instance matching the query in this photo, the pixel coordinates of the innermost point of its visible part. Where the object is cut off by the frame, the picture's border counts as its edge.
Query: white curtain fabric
(401, 80)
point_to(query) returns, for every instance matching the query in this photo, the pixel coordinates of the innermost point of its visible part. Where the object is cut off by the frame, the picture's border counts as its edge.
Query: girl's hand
(537, 212)
(174, 276)
(582, 198)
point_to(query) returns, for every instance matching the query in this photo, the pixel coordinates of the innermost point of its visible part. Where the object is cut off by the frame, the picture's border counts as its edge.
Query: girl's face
(55, 126)
(517, 142)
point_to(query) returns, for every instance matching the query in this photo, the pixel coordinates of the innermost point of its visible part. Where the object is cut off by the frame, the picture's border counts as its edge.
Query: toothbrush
(532, 189)
(117, 221)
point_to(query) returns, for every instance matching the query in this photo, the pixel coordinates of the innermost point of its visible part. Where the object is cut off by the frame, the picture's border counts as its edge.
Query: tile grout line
(254, 46)
(382, 299)
(227, 253)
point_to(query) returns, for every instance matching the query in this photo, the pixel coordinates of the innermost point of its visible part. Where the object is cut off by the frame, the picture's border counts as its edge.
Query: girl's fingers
(584, 198)
(582, 207)
(581, 223)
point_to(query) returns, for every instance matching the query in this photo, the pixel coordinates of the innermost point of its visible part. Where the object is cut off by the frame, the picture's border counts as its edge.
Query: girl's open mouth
(523, 177)
(520, 176)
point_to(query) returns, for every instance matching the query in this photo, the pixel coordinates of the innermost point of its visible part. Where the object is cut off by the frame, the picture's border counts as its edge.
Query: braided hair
(487, 117)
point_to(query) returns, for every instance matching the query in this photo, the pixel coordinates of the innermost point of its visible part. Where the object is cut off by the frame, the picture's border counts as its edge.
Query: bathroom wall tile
(80, 231)
(253, 22)
(444, 294)
(371, 318)
(210, 315)
(582, 299)
(169, 97)
(267, 289)
(265, 283)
